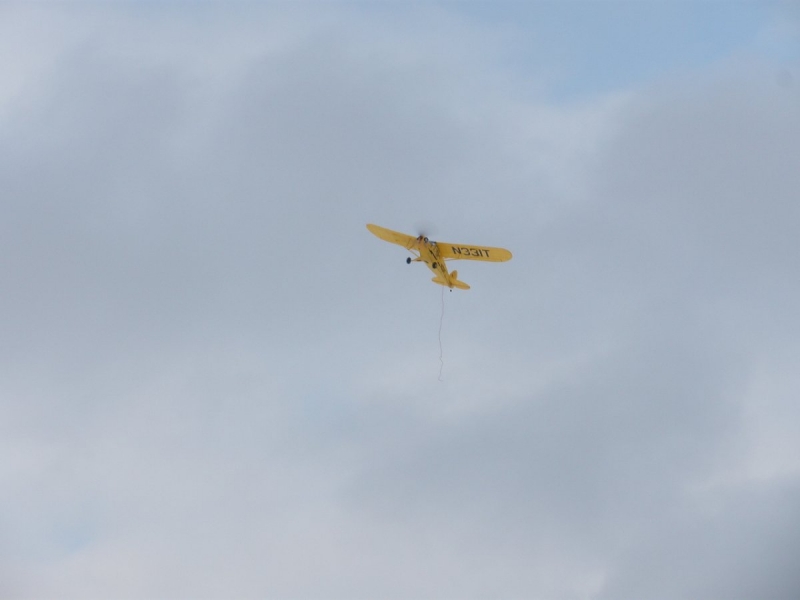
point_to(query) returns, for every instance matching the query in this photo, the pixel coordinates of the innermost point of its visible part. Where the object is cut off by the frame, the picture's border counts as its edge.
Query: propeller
(425, 229)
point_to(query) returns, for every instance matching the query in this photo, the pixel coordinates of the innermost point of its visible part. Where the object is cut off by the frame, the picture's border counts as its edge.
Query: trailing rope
(441, 320)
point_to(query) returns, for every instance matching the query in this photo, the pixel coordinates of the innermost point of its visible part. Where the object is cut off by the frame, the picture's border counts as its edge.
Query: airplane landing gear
(408, 260)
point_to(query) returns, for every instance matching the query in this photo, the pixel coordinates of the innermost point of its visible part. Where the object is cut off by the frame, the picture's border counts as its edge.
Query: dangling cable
(441, 320)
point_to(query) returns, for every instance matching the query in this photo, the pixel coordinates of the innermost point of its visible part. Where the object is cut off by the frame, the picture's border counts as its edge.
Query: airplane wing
(401, 239)
(461, 251)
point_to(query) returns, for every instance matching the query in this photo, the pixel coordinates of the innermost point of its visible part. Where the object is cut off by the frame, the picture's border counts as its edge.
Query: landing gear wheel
(408, 260)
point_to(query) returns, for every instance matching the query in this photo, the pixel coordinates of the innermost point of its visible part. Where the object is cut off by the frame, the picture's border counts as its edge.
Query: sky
(216, 383)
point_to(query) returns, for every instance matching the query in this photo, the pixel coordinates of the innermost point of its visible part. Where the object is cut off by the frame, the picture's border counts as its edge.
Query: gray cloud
(215, 382)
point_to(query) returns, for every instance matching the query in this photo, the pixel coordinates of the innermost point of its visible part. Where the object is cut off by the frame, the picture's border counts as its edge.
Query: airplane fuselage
(429, 254)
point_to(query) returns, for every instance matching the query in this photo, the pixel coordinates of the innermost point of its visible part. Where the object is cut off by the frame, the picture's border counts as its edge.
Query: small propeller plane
(434, 254)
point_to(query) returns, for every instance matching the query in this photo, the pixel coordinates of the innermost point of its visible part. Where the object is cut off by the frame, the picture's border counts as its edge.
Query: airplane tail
(459, 284)
(454, 282)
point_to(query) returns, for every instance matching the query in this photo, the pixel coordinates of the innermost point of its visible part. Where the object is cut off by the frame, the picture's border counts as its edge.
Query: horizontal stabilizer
(453, 282)
(459, 284)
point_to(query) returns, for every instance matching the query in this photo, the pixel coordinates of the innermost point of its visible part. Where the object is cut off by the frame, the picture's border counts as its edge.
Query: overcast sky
(216, 383)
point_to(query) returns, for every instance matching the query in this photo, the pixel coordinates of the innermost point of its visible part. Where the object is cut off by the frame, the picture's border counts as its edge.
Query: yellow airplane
(434, 254)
